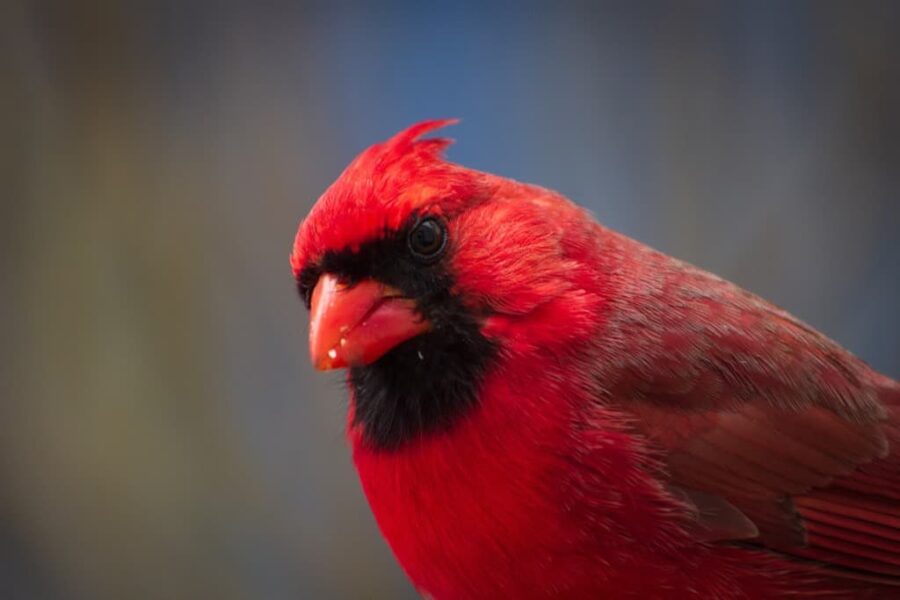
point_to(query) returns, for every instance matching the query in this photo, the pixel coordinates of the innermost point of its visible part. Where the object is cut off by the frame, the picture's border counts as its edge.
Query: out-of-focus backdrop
(162, 434)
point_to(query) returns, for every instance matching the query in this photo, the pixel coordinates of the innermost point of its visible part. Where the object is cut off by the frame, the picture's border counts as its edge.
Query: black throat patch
(425, 384)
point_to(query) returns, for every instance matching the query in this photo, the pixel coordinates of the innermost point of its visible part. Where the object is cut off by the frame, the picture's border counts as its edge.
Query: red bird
(542, 407)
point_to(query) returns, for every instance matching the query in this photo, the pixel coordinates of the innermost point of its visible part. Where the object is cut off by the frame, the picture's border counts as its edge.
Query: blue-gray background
(162, 434)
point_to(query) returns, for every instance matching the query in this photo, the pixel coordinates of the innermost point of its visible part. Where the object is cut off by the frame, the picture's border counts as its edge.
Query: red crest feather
(378, 191)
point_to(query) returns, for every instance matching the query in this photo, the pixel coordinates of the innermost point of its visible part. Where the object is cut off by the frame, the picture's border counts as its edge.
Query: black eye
(427, 239)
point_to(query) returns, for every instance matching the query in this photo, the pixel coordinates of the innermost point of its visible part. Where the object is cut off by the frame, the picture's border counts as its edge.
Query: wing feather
(744, 403)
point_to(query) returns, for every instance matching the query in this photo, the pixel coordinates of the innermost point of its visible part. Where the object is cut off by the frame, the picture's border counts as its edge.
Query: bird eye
(427, 239)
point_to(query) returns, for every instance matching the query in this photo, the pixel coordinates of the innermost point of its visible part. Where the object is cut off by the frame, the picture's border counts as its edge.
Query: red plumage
(646, 430)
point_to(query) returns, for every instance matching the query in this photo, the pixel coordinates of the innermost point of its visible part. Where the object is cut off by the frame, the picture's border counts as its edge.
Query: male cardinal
(541, 407)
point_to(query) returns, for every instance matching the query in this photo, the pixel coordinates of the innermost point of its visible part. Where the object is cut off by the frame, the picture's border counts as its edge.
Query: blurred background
(162, 434)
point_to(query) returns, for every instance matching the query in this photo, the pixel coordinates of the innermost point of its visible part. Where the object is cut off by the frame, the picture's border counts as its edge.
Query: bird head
(421, 274)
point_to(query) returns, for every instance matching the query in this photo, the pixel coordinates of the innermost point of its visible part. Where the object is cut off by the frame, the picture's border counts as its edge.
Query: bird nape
(543, 407)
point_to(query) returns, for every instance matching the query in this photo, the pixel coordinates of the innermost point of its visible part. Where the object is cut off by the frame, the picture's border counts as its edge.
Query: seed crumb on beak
(356, 325)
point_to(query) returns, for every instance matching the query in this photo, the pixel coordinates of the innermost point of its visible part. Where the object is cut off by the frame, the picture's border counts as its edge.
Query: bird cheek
(559, 324)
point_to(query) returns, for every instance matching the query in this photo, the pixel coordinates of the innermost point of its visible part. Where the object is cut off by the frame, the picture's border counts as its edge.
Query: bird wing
(771, 430)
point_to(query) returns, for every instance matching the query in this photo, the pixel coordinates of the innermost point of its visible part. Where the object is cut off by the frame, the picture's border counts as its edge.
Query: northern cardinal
(542, 407)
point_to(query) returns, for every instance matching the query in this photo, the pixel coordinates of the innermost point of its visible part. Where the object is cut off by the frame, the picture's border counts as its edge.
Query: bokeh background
(162, 434)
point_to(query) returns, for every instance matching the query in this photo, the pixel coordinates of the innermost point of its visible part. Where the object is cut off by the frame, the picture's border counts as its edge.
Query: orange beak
(352, 326)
